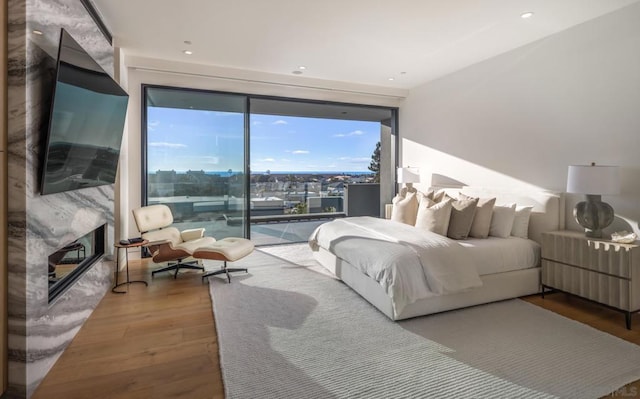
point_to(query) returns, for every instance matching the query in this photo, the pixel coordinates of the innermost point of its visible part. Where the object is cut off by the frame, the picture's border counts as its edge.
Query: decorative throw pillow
(462, 212)
(482, 218)
(439, 196)
(434, 216)
(521, 222)
(502, 220)
(425, 196)
(405, 208)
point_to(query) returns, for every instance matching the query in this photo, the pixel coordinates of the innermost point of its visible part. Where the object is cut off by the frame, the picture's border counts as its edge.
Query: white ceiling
(357, 41)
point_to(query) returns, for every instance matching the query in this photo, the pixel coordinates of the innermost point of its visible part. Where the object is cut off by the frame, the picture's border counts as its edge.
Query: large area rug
(286, 330)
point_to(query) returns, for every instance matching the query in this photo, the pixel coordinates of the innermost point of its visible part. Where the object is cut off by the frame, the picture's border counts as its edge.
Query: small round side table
(126, 248)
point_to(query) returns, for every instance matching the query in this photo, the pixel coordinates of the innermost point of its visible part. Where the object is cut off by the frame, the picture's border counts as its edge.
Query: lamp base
(594, 215)
(408, 188)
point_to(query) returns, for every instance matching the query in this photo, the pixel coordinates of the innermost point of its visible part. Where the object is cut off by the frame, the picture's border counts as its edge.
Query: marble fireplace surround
(39, 225)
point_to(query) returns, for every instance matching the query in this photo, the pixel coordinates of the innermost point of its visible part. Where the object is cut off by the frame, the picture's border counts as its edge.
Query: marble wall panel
(38, 225)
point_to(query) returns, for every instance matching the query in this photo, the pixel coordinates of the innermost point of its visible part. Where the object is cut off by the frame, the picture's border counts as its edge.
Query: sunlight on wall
(440, 169)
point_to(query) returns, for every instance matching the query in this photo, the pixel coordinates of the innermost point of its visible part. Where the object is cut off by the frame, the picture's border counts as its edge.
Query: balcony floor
(271, 233)
(284, 232)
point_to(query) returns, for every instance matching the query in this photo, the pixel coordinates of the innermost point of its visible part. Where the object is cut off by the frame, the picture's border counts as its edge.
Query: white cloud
(211, 160)
(268, 160)
(350, 134)
(151, 126)
(167, 145)
(280, 122)
(300, 152)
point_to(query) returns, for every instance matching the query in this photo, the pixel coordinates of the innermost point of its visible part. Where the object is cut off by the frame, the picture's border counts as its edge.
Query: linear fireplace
(70, 262)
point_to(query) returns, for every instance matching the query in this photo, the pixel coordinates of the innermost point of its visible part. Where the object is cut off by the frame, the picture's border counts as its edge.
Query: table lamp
(408, 176)
(594, 181)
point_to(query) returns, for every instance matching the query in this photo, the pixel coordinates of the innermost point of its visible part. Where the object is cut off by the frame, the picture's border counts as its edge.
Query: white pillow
(405, 208)
(502, 220)
(521, 222)
(434, 216)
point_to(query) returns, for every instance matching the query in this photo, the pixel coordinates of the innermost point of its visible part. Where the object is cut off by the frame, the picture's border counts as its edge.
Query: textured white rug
(286, 330)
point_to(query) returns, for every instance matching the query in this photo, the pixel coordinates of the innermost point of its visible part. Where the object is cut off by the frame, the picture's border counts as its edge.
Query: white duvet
(409, 263)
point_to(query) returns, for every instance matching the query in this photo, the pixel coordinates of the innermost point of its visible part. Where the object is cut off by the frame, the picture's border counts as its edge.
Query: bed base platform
(495, 287)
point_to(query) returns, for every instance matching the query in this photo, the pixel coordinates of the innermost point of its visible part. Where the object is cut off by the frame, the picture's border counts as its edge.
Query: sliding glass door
(269, 169)
(304, 157)
(195, 158)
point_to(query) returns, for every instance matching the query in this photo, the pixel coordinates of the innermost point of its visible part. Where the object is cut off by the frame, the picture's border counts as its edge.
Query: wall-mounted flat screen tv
(86, 123)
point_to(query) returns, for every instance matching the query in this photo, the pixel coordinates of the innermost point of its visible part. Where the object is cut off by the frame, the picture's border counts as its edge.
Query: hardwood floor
(160, 342)
(153, 342)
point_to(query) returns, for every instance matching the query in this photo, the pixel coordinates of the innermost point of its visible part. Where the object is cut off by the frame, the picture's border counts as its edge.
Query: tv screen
(85, 125)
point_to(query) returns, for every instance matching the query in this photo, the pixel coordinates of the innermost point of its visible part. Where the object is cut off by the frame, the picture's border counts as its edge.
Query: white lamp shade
(408, 175)
(593, 179)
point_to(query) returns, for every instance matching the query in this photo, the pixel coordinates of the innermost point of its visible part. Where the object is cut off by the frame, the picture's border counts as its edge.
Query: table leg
(117, 272)
(126, 257)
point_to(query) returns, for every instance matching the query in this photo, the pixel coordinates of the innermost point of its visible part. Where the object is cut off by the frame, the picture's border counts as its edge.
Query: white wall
(167, 73)
(519, 119)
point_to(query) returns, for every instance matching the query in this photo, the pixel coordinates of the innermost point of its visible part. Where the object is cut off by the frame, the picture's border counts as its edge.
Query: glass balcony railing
(209, 201)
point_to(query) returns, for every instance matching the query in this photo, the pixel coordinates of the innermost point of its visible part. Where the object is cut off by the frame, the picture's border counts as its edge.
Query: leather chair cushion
(229, 249)
(152, 217)
(193, 245)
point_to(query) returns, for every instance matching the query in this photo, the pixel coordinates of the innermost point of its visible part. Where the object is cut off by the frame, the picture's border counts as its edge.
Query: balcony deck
(265, 230)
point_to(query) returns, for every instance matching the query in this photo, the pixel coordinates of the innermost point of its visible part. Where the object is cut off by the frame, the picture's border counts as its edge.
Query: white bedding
(423, 265)
(498, 255)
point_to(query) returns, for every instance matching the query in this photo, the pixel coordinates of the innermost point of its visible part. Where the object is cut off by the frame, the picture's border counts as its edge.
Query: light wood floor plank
(160, 342)
(152, 342)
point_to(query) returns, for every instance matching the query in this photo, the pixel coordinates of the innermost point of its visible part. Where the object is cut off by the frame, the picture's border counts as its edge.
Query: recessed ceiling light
(37, 32)
(302, 67)
(187, 52)
(391, 79)
(526, 15)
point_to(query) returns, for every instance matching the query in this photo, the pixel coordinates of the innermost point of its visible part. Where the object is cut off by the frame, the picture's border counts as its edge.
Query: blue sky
(181, 140)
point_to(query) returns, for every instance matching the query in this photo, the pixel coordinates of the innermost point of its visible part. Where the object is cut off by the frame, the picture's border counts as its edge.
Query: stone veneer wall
(38, 225)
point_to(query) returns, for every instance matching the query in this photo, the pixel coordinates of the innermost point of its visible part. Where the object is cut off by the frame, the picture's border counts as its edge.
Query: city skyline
(186, 139)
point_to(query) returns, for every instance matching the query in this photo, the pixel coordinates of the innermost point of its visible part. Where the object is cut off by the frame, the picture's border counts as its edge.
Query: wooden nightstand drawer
(573, 248)
(599, 287)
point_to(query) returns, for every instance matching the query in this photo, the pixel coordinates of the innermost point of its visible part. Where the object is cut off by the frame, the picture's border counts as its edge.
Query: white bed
(505, 267)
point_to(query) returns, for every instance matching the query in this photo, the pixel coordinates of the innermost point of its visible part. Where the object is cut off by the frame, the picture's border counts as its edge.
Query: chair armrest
(192, 234)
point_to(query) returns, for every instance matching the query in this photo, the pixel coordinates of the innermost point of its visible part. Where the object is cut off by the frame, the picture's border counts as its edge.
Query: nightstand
(599, 270)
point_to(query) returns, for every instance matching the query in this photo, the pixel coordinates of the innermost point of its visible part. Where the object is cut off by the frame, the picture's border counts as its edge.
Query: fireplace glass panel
(67, 264)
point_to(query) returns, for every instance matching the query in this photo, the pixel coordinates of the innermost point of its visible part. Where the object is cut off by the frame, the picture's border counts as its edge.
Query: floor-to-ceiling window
(271, 169)
(304, 155)
(195, 158)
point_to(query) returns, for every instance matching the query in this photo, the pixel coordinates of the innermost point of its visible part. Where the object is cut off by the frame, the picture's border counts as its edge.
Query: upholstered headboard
(548, 207)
